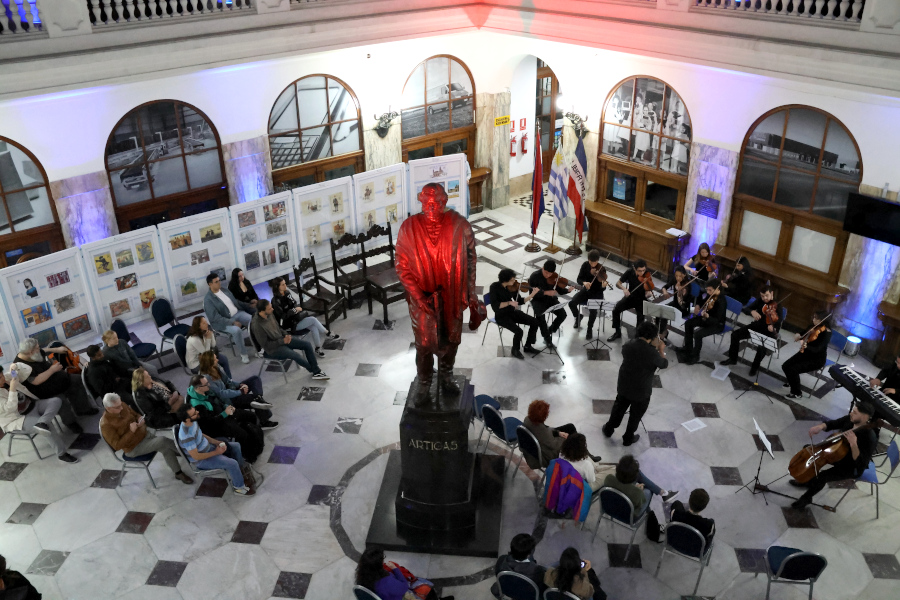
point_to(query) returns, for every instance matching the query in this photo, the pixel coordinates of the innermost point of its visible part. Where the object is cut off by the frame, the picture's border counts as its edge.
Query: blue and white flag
(558, 186)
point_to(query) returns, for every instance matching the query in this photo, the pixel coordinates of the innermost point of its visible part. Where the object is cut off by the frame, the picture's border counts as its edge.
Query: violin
(813, 336)
(555, 280)
(647, 281)
(708, 304)
(518, 286)
(708, 263)
(813, 457)
(734, 273)
(770, 310)
(600, 273)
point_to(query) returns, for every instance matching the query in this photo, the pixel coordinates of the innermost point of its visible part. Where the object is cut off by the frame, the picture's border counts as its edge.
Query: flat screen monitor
(873, 218)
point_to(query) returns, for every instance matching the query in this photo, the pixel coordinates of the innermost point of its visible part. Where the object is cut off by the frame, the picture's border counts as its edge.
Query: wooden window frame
(542, 73)
(790, 217)
(438, 139)
(51, 232)
(171, 204)
(317, 168)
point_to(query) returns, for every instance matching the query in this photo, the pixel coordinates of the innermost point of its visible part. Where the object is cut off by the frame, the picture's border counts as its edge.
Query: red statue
(435, 258)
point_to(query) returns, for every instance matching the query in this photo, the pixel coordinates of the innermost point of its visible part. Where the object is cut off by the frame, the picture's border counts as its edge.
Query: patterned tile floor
(300, 536)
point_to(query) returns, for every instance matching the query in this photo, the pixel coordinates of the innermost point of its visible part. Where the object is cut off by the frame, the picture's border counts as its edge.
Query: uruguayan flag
(559, 180)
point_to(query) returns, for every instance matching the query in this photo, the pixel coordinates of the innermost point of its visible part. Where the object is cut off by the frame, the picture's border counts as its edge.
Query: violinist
(702, 264)
(708, 319)
(812, 354)
(862, 445)
(505, 302)
(766, 320)
(545, 281)
(889, 380)
(640, 284)
(592, 276)
(737, 283)
(678, 289)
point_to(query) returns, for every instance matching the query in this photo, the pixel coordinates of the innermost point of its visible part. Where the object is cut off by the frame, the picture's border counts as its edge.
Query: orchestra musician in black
(812, 354)
(635, 294)
(592, 276)
(889, 380)
(737, 284)
(766, 320)
(506, 303)
(678, 288)
(708, 319)
(546, 281)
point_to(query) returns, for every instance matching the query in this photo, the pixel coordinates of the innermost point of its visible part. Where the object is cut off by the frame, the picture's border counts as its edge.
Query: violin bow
(811, 329)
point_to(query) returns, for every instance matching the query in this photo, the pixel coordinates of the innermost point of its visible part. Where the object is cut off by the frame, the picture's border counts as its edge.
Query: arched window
(798, 166)
(438, 115)
(548, 113)
(315, 133)
(29, 225)
(164, 161)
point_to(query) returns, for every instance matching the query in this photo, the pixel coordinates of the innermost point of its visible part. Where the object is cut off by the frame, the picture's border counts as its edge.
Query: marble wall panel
(500, 153)
(85, 208)
(248, 169)
(712, 173)
(484, 142)
(386, 151)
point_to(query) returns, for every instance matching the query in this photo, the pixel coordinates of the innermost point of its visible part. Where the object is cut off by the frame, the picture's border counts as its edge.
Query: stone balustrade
(19, 17)
(836, 11)
(106, 13)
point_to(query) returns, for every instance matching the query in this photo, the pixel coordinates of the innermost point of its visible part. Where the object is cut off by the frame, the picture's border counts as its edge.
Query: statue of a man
(435, 258)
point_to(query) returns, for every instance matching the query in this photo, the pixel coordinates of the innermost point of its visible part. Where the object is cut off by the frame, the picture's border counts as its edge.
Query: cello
(807, 463)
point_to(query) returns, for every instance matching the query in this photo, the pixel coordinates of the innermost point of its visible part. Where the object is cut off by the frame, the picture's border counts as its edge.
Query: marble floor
(78, 536)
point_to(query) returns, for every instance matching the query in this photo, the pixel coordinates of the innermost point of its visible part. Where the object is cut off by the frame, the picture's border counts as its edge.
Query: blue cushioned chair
(516, 586)
(555, 594)
(480, 401)
(143, 350)
(790, 565)
(529, 445)
(503, 428)
(617, 507)
(362, 593)
(734, 307)
(164, 316)
(684, 540)
(695, 290)
(180, 345)
(870, 476)
(135, 462)
(492, 320)
(839, 342)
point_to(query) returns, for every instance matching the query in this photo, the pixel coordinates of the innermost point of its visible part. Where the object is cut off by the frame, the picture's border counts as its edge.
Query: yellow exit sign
(498, 121)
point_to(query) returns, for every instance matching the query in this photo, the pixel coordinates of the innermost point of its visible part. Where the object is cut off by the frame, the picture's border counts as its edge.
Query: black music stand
(767, 447)
(759, 340)
(601, 306)
(552, 349)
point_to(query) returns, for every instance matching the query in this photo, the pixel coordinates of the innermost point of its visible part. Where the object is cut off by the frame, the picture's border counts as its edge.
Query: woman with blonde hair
(158, 400)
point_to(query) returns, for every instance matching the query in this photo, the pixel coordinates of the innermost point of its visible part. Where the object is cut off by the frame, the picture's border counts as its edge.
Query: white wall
(68, 131)
(522, 106)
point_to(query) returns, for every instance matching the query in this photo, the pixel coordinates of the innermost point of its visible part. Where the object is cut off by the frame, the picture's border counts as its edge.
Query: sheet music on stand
(603, 306)
(663, 311)
(764, 439)
(761, 340)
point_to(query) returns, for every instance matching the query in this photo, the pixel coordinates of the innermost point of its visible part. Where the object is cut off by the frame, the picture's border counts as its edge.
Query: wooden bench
(352, 270)
(315, 297)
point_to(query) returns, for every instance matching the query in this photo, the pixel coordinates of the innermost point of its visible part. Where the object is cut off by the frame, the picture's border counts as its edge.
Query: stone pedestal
(437, 496)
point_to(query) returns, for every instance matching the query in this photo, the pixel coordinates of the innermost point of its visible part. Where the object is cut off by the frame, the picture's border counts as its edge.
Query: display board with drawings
(125, 274)
(192, 247)
(323, 212)
(47, 299)
(265, 235)
(450, 171)
(381, 197)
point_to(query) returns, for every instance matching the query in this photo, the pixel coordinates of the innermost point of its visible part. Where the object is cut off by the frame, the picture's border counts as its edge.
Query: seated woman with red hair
(550, 438)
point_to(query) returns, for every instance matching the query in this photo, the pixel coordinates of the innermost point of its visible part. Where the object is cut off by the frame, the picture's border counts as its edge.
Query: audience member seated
(49, 379)
(122, 355)
(629, 480)
(241, 288)
(293, 318)
(278, 344)
(244, 395)
(200, 339)
(227, 314)
(390, 581)
(207, 453)
(222, 420)
(691, 515)
(124, 430)
(575, 576)
(34, 416)
(521, 560)
(550, 438)
(574, 450)
(14, 586)
(158, 400)
(106, 377)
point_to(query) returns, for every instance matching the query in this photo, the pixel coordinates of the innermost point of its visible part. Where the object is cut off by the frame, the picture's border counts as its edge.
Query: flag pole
(553, 248)
(533, 247)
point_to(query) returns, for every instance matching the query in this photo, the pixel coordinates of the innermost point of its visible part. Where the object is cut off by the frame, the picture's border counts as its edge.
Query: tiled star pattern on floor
(299, 536)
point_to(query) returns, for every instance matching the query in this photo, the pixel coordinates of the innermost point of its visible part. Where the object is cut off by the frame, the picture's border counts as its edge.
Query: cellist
(766, 320)
(812, 353)
(505, 301)
(862, 446)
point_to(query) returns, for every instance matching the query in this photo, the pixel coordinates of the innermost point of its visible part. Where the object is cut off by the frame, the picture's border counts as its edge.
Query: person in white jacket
(34, 416)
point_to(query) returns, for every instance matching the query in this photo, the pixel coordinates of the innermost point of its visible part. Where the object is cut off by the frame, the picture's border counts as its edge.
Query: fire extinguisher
(512, 144)
(525, 143)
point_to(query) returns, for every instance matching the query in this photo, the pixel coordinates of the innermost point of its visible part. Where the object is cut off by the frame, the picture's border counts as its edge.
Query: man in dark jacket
(106, 377)
(760, 324)
(14, 585)
(641, 357)
(521, 560)
(690, 514)
(708, 319)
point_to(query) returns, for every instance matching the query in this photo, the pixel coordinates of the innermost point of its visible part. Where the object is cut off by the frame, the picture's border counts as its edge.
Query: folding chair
(529, 445)
(616, 506)
(164, 316)
(516, 586)
(503, 428)
(555, 594)
(734, 307)
(684, 540)
(18, 435)
(492, 320)
(480, 401)
(790, 565)
(227, 336)
(137, 462)
(268, 361)
(839, 342)
(143, 350)
(200, 473)
(180, 345)
(362, 593)
(870, 475)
